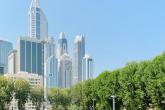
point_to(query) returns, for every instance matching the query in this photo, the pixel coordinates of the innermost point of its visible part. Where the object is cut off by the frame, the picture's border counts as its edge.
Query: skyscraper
(78, 54)
(37, 51)
(64, 63)
(51, 70)
(87, 67)
(5, 47)
(65, 71)
(30, 55)
(62, 46)
(38, 25)
(50, 62)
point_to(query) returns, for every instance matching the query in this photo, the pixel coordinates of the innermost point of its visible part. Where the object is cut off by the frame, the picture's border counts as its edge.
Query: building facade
(78, 54)
(87, 67)
(38, 25)
(12, 62)
(64, 63)
(5, 48)
(51, 70)
(62, 46)
(30, 55)
(65, 71)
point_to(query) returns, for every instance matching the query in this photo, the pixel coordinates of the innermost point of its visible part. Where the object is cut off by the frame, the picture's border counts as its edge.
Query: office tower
(51, 70)
(87, 67)
(65, 71)
(62, 46)
(49, 47)
(38, 25)
(78, 54)
(5, 47)
(30, 55)
(64, 63)
(12, 62)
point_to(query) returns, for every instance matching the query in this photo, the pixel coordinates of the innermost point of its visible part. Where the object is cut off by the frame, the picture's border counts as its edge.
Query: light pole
(113, 97)
(45, 88)
(45, 78)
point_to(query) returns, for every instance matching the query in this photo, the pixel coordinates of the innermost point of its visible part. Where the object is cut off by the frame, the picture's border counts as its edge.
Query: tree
(6, 92)
(77, 95)
(37, 96)
(136, 86)
(155, 74)
(143, 99)
(89, 94)
(22, 90)
(128, 84)
(59, 98)
(102, 88)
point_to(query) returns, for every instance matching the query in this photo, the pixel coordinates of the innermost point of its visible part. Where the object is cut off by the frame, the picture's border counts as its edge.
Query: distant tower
(65, 71)
(87, 67)
(51, 62)
(38, 25)
(64, 63)
(51, 70)
(78, 54)
(62, 46)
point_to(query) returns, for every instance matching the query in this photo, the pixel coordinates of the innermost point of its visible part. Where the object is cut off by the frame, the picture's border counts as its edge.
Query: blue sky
(117, 31)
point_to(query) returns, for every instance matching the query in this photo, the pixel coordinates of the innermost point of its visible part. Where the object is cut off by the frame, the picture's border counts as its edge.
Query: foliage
(37, 96)
(136, 86)
(6, 92)
(22, 90)
(59, 98)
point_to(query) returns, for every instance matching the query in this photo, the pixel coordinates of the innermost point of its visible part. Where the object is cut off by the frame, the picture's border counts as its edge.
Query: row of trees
(21, 91)
(137, 86)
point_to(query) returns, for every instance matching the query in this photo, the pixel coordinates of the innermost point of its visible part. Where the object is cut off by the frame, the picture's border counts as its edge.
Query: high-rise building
(65, 71)
(62, 46)
(87, 67)
(49, 48)
(51, 70)
(12, 62)
(64, 63)
(35, 57)
(78, 54)
(5, 47)
(38, 25)
(30, 55)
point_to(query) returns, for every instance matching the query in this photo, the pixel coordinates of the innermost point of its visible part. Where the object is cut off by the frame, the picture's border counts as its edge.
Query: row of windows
(31, 57)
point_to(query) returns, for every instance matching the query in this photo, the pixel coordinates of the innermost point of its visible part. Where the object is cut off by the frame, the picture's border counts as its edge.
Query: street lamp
(113, 97)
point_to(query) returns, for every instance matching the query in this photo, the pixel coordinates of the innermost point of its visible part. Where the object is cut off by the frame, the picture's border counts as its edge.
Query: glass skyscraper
(38, 25)
(64, 63)
(65, 71)
(5, 47)
(51, 70)
(78, 54)
(62, 46)
(30, 55)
